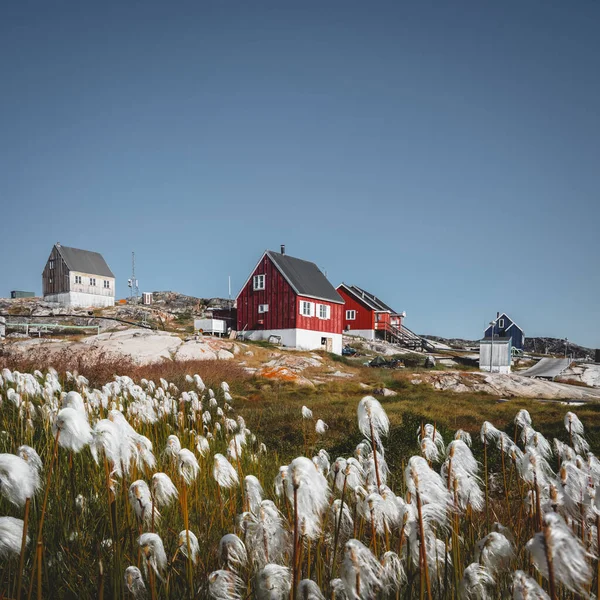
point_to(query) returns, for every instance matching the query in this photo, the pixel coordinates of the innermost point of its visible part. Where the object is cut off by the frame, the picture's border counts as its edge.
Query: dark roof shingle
(84, 261)
(305, 277)
(370, 299)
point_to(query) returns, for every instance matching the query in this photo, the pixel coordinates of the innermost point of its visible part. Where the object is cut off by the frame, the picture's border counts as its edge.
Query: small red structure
(369, 317)
(291, 299)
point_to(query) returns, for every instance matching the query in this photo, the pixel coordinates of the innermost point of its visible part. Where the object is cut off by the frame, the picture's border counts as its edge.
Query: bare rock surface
(510, 385)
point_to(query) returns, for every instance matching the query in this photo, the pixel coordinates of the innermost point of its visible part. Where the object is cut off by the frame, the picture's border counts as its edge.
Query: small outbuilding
(495, 354)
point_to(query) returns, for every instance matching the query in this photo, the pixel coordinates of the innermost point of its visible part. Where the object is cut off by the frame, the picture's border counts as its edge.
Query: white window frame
(78, 279)
(51, 263)
(106, 284)
(263, 308)
(327, 311)
(93, 281)
(501, 323)
(350, 315)
(258, 282)
(305, 304)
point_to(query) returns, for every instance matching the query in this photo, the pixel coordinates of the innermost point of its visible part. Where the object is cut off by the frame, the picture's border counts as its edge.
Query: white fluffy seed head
(372, 419)
(18, 479)
(224, 473)
(134, 582)
(11, 534)
(163, 489)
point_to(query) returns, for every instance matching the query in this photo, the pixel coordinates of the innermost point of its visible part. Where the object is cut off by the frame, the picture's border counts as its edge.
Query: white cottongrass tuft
(11, 535)
(224, 473)
(134, 582)
(312, 495)
(173, 446)
(225, 585)
(154, 553)
(494, 552)
(476, 583)
(163, 489)
(308, 590)
(373, 422)
(321, 427)
(141, 502)
(18, 480)
(569, 558)
(193, 545)
(254, 493)
(75, 431)
(232, 552)
(527, 588)
(361, 572)
(307, 413)
(272, 582)
(188, 465)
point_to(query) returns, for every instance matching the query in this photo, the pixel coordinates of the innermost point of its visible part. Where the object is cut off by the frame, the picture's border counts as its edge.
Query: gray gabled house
(74, 277)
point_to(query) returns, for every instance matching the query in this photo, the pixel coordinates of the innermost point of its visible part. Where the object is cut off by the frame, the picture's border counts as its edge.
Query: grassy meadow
(86, 517)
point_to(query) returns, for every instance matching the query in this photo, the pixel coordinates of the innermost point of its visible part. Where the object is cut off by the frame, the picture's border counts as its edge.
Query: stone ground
(304, 368)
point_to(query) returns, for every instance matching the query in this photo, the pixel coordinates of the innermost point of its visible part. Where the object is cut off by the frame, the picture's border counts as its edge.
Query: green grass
(75, 544)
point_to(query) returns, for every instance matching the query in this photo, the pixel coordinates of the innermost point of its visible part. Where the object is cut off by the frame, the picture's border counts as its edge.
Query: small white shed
(495, 354)
(213, 326)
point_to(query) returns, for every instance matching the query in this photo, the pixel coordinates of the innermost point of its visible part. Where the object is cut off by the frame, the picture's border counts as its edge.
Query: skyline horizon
(236, 289)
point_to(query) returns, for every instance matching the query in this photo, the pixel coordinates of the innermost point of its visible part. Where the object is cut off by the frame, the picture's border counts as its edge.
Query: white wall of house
(303, 339)
(86, 287)
(368, 334)
(81, 299)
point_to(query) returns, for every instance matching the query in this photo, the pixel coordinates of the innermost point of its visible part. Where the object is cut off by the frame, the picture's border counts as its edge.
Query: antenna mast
(133, 282)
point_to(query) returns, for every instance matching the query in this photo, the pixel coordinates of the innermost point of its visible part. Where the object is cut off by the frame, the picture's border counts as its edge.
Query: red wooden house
(292, 299)
(369, 317)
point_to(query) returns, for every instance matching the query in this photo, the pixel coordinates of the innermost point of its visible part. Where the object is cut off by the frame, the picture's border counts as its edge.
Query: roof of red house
(305, 277)
(370, 300)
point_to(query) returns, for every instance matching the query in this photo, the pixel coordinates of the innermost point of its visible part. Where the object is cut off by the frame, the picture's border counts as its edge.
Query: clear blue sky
(444, 155)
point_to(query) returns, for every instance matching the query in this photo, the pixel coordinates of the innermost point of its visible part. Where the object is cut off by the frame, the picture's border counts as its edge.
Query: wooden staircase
(402, 336)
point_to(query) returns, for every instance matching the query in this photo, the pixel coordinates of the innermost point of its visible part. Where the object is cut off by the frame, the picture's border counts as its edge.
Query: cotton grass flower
(163, 489)
(134, 583)
(187, 537)
(476, 582)
(307, 413)
(18, 479)
(559, 556)
(75, 431)
(254, 492)
(154, 553)
(141, 502)
(308, 590)
(321, 427)
(224, 473)
(225, 585)
(361, 573)
(273, 582)
(11, 535)
(232, 553)
(188, 465)
(494, 552)
(527, 588)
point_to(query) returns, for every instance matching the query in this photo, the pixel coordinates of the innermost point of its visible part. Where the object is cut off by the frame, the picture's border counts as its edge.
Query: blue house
(505, 327)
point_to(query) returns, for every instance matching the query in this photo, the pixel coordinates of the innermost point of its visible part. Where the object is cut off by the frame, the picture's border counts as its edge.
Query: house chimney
(497, 315)
(282, 248)
(58, 244)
